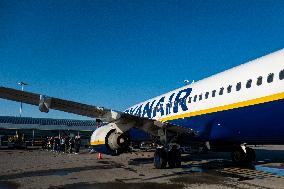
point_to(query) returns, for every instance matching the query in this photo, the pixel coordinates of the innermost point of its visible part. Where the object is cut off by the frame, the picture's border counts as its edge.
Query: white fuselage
(255, 94)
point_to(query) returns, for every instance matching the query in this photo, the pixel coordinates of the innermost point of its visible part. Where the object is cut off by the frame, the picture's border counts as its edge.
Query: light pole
(22, 84)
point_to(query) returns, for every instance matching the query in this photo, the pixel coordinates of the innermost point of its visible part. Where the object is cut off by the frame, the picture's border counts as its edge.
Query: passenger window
(221, 91)
(259, 80)
(189, 100)
(200, 97)
(239, 86)
(281, 75)
(229, 89)
(248, 85)
(206, 95)
(213, 93)
(270, 78)
(195, 98)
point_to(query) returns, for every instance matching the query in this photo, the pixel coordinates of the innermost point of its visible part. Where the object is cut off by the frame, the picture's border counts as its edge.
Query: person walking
(62, 144)
(44, 143)
(52, 143)
(57, 143)
(66, 144)
(71, 145)
(77, 144)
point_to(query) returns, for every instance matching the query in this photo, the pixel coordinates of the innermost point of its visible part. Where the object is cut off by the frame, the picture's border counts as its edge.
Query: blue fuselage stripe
(256, 124)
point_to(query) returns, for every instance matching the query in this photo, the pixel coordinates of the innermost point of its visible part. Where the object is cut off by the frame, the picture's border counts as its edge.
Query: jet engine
(108, 140)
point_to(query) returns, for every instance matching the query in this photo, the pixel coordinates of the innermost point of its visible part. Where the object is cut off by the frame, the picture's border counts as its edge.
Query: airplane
(225, 112)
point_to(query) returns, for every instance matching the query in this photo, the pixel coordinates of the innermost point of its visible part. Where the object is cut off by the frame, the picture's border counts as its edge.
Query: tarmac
(35, 168)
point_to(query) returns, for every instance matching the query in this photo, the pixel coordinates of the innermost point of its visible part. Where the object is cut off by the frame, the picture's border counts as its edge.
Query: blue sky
(118, 53)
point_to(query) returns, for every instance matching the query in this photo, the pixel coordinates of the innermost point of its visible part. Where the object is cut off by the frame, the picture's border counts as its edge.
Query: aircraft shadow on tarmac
(192, 163)
(218, 160)
(212, 164)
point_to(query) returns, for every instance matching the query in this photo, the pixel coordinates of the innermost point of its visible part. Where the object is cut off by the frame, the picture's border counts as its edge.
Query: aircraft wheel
(160, 158)
(250, 155)
(238, 155)
(174, 158)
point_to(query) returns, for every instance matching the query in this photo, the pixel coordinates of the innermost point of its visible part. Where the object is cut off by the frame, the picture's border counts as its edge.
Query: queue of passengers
(64, 144)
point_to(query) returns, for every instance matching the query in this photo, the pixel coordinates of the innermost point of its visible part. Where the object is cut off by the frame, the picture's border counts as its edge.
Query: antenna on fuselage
(187, 82)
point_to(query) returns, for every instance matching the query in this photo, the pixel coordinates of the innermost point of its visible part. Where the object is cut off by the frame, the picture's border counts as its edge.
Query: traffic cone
(100, 156)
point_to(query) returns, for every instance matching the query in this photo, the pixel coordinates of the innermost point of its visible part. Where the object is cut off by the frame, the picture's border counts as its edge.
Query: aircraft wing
(45, 103)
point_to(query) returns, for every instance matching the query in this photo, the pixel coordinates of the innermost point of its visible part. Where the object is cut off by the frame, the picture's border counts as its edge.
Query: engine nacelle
(108, 140)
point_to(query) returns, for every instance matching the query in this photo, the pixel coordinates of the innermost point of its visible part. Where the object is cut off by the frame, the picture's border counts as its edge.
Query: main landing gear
(172, 157)
(169, 152)
(243, 155)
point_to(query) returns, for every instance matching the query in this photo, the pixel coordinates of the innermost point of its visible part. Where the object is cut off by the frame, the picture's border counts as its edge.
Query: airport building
(35, 129)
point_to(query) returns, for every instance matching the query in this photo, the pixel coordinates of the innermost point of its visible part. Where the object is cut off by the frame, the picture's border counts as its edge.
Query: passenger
(71, 145)
(51, 143)
(77, 144)
(57, 144)
(66, 144)
(62, 144)
(48, 143)
(44, 143)
(54, 144)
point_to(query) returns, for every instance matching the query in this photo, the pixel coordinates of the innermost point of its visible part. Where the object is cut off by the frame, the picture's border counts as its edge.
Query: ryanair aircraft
(225, 112)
